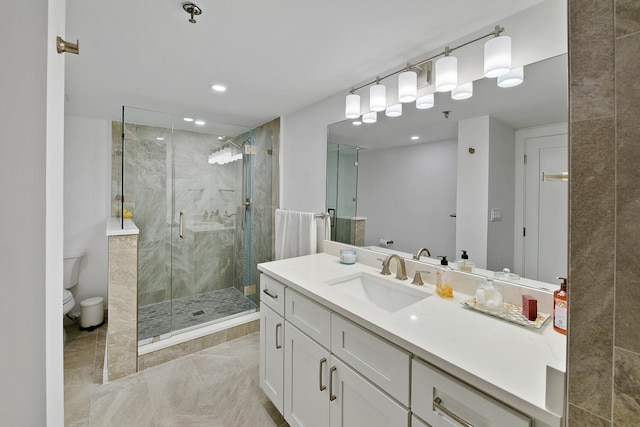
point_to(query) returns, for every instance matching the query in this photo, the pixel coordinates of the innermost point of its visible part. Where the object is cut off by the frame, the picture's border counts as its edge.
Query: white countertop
(503, 359)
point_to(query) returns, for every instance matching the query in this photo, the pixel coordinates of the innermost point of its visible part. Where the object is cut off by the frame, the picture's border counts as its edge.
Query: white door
(357, 402)
(272, 356)
(546, 208)
(306, 391)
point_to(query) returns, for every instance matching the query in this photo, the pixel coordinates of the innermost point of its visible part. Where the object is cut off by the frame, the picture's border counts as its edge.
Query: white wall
(31, 147)
(473, 189)
(87, 181)
(393, 208)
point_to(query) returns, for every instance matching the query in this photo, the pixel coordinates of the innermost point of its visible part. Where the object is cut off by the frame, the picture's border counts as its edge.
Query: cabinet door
(272, 355)
(306, 372)
(357, 402)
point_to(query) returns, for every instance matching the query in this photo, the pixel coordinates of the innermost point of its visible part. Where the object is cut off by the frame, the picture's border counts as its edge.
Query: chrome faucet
(401, 270)
(419, 254)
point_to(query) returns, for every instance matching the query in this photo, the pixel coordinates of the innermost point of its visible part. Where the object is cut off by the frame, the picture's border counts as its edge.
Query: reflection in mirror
(458, 181)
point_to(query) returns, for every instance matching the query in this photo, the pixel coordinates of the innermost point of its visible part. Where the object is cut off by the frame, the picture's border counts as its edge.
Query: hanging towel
(296, 234)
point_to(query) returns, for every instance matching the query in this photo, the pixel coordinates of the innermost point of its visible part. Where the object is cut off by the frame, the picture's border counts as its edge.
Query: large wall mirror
(454, 177)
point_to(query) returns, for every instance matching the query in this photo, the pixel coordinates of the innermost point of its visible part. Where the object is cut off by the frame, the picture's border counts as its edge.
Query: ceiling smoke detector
(192, 9)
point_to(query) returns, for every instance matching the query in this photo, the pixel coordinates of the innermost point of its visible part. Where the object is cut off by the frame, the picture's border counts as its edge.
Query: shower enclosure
(201, 196)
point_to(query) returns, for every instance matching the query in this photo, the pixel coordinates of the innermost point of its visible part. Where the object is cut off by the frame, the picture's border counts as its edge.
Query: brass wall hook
(64, 46)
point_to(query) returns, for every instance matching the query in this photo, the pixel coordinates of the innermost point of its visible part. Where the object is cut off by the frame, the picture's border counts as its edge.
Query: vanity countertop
(503, 359)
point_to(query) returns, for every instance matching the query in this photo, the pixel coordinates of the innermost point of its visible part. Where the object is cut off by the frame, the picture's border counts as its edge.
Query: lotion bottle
(560, 306)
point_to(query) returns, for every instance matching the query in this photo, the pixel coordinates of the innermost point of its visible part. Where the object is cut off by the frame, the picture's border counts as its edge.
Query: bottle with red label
(560, 306)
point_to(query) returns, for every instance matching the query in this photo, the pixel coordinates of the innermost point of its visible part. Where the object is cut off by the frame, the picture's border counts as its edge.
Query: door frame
(519, 212)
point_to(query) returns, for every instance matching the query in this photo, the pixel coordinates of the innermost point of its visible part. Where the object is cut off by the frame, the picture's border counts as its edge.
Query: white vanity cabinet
(442, 400)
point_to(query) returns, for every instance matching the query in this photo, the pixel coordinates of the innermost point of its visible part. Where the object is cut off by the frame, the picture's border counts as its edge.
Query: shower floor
(188, 312)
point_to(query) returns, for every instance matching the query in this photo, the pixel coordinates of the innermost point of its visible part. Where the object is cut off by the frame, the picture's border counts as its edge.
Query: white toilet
(70, 279)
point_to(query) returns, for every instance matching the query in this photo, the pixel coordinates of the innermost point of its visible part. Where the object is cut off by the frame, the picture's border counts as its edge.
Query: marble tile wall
(122, 335)
(604, 286)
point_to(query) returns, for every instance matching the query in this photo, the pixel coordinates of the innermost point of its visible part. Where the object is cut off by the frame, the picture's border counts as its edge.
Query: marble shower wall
(604, 287)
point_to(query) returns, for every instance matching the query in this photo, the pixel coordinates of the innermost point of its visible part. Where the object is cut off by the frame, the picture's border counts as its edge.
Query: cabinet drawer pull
(278, 326)
(266, 291)
(332, 396)
(322, 386)
(437, 404)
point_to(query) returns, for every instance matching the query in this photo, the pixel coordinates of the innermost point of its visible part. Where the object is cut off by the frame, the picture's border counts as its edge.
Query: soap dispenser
(560, 307)
(464, 264)
(443, 279)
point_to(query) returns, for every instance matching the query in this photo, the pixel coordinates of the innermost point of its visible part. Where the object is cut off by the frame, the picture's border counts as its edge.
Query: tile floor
(216, 387)
(187, 312)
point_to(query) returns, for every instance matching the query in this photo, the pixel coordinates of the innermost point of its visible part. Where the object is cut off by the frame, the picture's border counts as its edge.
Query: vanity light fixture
(463, 91)
(394, 110)
(407, 86)
(377, 97)
(352, 108)
(370, 117)
(425, 102)
(497, 60)
(497, 55)
(512, 78)
(446, 72)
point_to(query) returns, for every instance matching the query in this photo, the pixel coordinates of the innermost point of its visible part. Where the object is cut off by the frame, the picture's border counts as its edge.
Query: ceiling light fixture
(356, 123)
(463, 91)
(512, 78)
(352, 108)
(407, 86)
(370, 117)
(425, 102)
(219, 88)
(415, 138)
(497, 57)
(377, 97)
(188, 119)
(394, 110)
(200, 122)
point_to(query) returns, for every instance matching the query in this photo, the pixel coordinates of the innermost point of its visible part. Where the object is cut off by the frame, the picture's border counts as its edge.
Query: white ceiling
(274, 56)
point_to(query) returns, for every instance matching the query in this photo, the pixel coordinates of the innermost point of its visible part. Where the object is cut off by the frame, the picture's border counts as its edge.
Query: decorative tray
(511, 313)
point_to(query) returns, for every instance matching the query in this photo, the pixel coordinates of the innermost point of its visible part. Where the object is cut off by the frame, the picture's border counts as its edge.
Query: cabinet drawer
(310, 317)
(272, 293)
(439, 398)
(383, 363)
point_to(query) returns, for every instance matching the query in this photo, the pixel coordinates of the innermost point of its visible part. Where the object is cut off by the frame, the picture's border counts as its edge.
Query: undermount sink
(381, 292)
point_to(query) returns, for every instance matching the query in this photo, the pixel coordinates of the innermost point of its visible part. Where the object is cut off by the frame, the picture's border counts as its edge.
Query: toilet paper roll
(386, 242)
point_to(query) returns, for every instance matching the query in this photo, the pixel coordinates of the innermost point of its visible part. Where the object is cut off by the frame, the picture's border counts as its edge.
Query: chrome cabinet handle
(332, 396)
(182, 224)
(278, 326)
(437, 404)
(322, 386)
(266, 291)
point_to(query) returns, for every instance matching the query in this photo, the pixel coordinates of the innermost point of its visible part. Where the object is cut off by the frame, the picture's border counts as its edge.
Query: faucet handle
(417, 278)
(385, 267)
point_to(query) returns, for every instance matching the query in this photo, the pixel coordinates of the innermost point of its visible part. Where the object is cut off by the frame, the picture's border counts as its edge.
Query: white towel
(296, 234)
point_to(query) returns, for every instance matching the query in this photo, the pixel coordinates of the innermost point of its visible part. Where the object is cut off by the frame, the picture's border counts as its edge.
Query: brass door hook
(64, 46)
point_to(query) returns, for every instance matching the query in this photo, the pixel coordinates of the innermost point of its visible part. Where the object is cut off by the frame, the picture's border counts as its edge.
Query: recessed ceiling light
(218, 88)
(188, 119)
(200, 122)
(356, 122)
(159, 138)
(221, 138)
(415, 137)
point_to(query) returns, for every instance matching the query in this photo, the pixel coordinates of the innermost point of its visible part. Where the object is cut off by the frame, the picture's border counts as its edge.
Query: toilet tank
(72, 267)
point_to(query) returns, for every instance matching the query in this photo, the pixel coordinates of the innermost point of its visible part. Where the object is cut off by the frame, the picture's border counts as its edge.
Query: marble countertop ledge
(505, 360)
(115, 229)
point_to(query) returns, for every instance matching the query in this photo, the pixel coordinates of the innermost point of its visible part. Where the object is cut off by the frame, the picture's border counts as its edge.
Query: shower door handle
(245, 207)
(181, 226)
